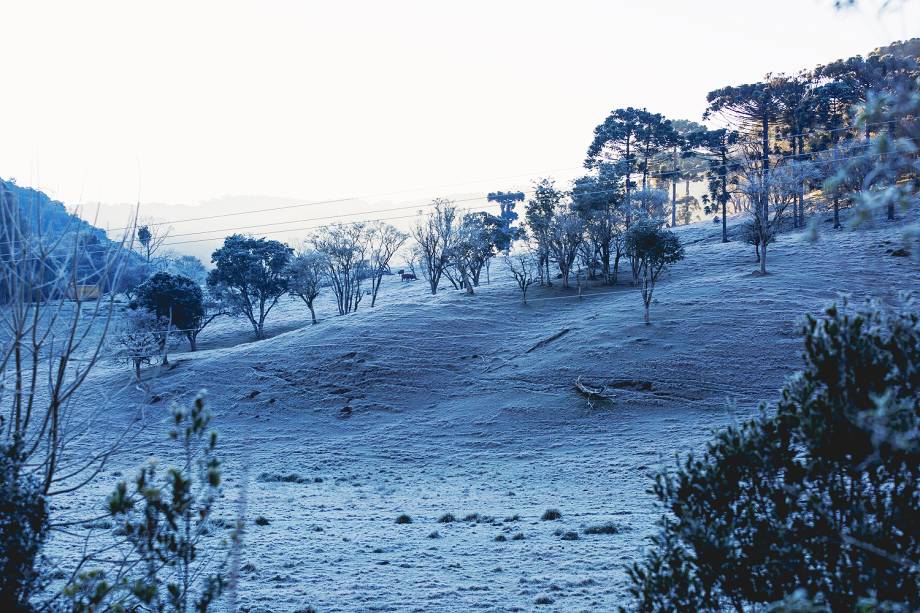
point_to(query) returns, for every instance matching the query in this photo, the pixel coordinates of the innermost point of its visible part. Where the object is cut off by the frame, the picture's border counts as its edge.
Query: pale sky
(179, 102)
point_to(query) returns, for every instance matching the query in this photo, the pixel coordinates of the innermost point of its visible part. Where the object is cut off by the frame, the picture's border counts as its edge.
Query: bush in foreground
(818, 498)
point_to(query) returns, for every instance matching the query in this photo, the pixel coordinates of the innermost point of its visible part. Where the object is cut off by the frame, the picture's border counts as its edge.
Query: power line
(379, 195)
(665, 174)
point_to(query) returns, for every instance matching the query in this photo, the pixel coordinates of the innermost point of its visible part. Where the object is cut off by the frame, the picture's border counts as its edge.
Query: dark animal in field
(408, 276)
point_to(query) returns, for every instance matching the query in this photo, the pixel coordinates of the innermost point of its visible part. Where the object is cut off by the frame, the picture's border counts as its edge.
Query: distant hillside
(48, 217)
(50, 222)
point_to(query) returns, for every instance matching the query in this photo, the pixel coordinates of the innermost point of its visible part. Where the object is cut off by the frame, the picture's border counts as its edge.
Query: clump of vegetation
(551, 515)
(608, 528)
(544, 600)
(501, 538)
(569, 535)
(471, 517)
(403, 519)
(276, 478)
(261, 520)
(447, 518)
(518, 536)
(818, 495)
(23, 529)
(434, 535)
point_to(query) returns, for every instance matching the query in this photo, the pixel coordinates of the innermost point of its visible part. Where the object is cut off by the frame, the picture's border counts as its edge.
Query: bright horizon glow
(181, 103)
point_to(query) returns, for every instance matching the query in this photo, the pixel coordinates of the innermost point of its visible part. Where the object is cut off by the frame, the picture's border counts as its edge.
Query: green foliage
(23, 529)
(174, 298)
(503, 233)
(819, 495)
(163, 517)
(249, 275)
(651, 250)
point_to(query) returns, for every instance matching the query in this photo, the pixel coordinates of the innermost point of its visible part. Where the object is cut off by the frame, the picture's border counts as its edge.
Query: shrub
(551, 515)
(163, 518)
(174, 298)
(23, 529)
(822, 494)
(608, 528)
(403, 519)
(262, 521)
(447, 518)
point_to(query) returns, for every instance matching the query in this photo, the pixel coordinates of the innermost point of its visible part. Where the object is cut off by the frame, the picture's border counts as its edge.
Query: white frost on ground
(431, 405)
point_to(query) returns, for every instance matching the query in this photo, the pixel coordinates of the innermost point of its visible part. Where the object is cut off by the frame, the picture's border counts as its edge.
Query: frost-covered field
(448, 404)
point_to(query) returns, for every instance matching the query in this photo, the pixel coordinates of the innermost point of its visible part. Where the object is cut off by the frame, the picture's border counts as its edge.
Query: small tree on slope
(820, 495)
(249, 276)
(653, 250)
(306, 273)
(176, 299)
(524, 267)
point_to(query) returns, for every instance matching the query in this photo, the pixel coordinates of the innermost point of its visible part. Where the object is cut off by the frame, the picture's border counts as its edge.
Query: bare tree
(524, 267)
(150, 236)
(464, 255)
(138, 340)
(435, 234)
(383, 242)
(771, 193)
(344, 247)
(55, 311)
(214, 307)
(566, 233)
(306, 273)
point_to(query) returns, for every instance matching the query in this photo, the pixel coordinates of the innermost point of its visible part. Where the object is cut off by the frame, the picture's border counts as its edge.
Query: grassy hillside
(455, 404)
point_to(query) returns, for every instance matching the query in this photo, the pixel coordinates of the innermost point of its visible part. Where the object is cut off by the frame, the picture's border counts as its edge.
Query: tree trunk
(724, 195)
(375, 287)
(673, 202)
(836, 212)
(646, 294)
(193, 342)
(802, 186)
(628, 185)
(763, 258)
(312, 312)
(795, 201)
(765, 196)
(891, 211)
